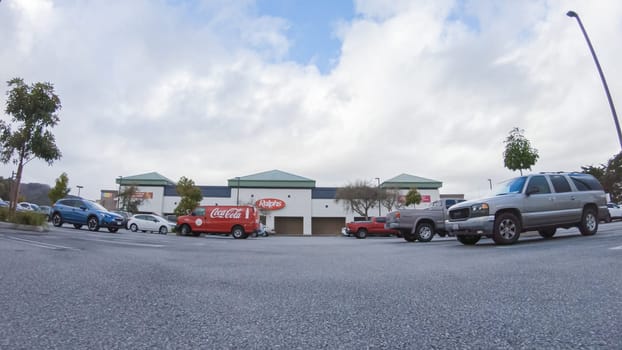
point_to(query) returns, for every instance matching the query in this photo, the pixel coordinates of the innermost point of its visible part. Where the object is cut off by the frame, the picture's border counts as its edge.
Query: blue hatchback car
(79, 212)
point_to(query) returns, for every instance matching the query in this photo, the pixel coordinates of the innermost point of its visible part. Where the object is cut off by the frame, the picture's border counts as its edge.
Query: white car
(615, 211)
(150, 223)
(25, 206)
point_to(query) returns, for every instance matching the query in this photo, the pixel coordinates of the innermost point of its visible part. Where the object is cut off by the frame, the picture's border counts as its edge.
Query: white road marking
(38, 244)
(616, 248)
(123, 242)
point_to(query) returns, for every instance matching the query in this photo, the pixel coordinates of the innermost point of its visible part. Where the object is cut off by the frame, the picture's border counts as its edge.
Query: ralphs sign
(270, 204)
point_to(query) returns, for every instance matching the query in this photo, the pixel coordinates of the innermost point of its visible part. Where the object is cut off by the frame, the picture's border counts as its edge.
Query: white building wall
(156, 202)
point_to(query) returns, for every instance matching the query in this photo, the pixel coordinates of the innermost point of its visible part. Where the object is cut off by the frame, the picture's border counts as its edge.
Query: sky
(335, 91)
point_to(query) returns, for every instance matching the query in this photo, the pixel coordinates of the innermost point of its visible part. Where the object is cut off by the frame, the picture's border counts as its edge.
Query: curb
(27, 228)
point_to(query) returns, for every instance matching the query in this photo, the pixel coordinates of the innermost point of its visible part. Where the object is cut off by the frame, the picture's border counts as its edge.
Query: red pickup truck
(375, 226)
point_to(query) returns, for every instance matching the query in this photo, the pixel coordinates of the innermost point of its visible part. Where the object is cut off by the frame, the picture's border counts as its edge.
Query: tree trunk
(16, 184)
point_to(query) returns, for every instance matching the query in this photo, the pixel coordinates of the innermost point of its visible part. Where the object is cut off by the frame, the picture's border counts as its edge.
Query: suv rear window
(586, 182)
(560, 183)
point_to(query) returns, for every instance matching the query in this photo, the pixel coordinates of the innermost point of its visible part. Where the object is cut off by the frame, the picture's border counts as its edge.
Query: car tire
(361, 233)
(113, 229)
(163, 230)
(589, 222)
(133, 227)
(57, 220)
(77, 226)
(238, 232)
(547, 233)
(507, 229)
(409, 237)
(92, 223)
(425, 232)
(468, 240)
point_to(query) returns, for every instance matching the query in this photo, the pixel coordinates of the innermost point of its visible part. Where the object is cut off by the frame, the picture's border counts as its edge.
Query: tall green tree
(33, 110)
(60, 190)
(358, 197)
(190, 196)
(519, 154)
(609, 175)
(413, 197)
(128, 200)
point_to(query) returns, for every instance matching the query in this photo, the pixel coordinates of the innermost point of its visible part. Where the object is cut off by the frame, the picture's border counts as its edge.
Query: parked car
(540, 202)
(47, 211)
(3, 204)
(615, 212)
(373, 226)
(79, 211)
(126, 216)
(151, 223)
(25, 206)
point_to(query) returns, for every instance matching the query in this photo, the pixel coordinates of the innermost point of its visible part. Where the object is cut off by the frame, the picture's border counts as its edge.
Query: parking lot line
(38, 244)
(616, 248)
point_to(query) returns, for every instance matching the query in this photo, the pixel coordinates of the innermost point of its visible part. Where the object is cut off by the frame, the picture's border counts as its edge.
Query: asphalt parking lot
(75, 289)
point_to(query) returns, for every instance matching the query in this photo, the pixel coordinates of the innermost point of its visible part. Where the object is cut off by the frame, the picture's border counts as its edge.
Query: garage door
(288, 225)
(327, 226)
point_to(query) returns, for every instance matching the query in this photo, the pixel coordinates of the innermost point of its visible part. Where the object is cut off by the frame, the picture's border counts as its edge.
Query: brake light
(397, 215)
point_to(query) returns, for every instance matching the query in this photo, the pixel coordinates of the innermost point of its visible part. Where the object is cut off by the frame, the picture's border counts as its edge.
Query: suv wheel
(589, 222)
(468, 240)
(507, 229)
(57, 220)
(425, 232)
(410, 237)
(361, 233)
(547, 233)
(93, 224)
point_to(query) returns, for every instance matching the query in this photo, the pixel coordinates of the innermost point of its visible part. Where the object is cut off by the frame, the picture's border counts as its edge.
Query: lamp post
(79, 188)
(119, 193)
(490, 183)
(379, 206)
(600, 71)
(237, 200)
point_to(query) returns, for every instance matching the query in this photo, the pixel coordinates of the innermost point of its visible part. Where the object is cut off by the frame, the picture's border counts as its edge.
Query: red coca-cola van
(239, 221)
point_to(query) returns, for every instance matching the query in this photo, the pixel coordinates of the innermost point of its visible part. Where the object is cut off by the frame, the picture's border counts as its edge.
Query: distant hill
(35, 193)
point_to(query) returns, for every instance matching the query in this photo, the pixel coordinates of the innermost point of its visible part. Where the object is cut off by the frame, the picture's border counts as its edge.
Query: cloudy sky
(332, 90)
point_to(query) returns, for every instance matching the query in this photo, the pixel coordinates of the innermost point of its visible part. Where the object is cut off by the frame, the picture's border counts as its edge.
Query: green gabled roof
(272, 179)
(406, 181)
(148, 179)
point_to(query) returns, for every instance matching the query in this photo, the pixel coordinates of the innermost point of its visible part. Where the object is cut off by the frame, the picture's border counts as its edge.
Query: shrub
(23, 217)
(4, 214)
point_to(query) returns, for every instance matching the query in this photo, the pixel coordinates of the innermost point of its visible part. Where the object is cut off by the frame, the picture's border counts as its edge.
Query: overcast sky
(332, 90)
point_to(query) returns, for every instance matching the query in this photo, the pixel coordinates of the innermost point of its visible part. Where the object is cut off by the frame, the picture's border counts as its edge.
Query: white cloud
(205, 90)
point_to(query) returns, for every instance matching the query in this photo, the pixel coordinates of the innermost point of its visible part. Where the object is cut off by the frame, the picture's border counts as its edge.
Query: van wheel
(589, 222)
(425, 232)
(184, 230)
(507, 229)
(547, 233)
(468, 240)
(361, 233)
(238, 232)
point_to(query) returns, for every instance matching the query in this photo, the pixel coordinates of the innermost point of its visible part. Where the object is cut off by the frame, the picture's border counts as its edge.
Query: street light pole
(79, 188)
(600, 71)
(237, 200)
(490, 183)
(379, 206)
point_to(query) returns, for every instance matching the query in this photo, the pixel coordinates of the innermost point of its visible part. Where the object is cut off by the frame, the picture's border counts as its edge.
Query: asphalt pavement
(75, 289)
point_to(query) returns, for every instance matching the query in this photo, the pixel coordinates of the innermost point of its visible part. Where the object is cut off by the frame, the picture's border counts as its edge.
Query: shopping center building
(288, 203)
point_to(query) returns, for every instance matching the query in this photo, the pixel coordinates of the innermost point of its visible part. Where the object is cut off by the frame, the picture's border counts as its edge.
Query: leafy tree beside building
(358, 197)
(190, 196)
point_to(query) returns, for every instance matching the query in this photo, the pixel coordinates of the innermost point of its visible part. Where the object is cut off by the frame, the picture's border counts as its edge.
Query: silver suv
(542, 202)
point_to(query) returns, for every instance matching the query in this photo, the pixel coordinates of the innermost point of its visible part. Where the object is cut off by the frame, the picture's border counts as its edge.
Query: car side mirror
(533, 189)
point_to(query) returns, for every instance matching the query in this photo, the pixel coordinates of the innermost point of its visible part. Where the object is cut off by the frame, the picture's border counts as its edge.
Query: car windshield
(97, 206)
(510, 186)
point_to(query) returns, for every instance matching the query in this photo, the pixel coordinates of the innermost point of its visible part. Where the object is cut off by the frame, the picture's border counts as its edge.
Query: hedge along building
(288, 203)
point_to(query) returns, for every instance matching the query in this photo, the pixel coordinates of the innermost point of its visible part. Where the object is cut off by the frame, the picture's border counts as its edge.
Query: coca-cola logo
(226, 213)
(270, 204)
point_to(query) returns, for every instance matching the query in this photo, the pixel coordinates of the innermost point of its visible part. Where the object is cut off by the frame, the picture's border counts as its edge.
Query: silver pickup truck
(421, 224)
(540, 202)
